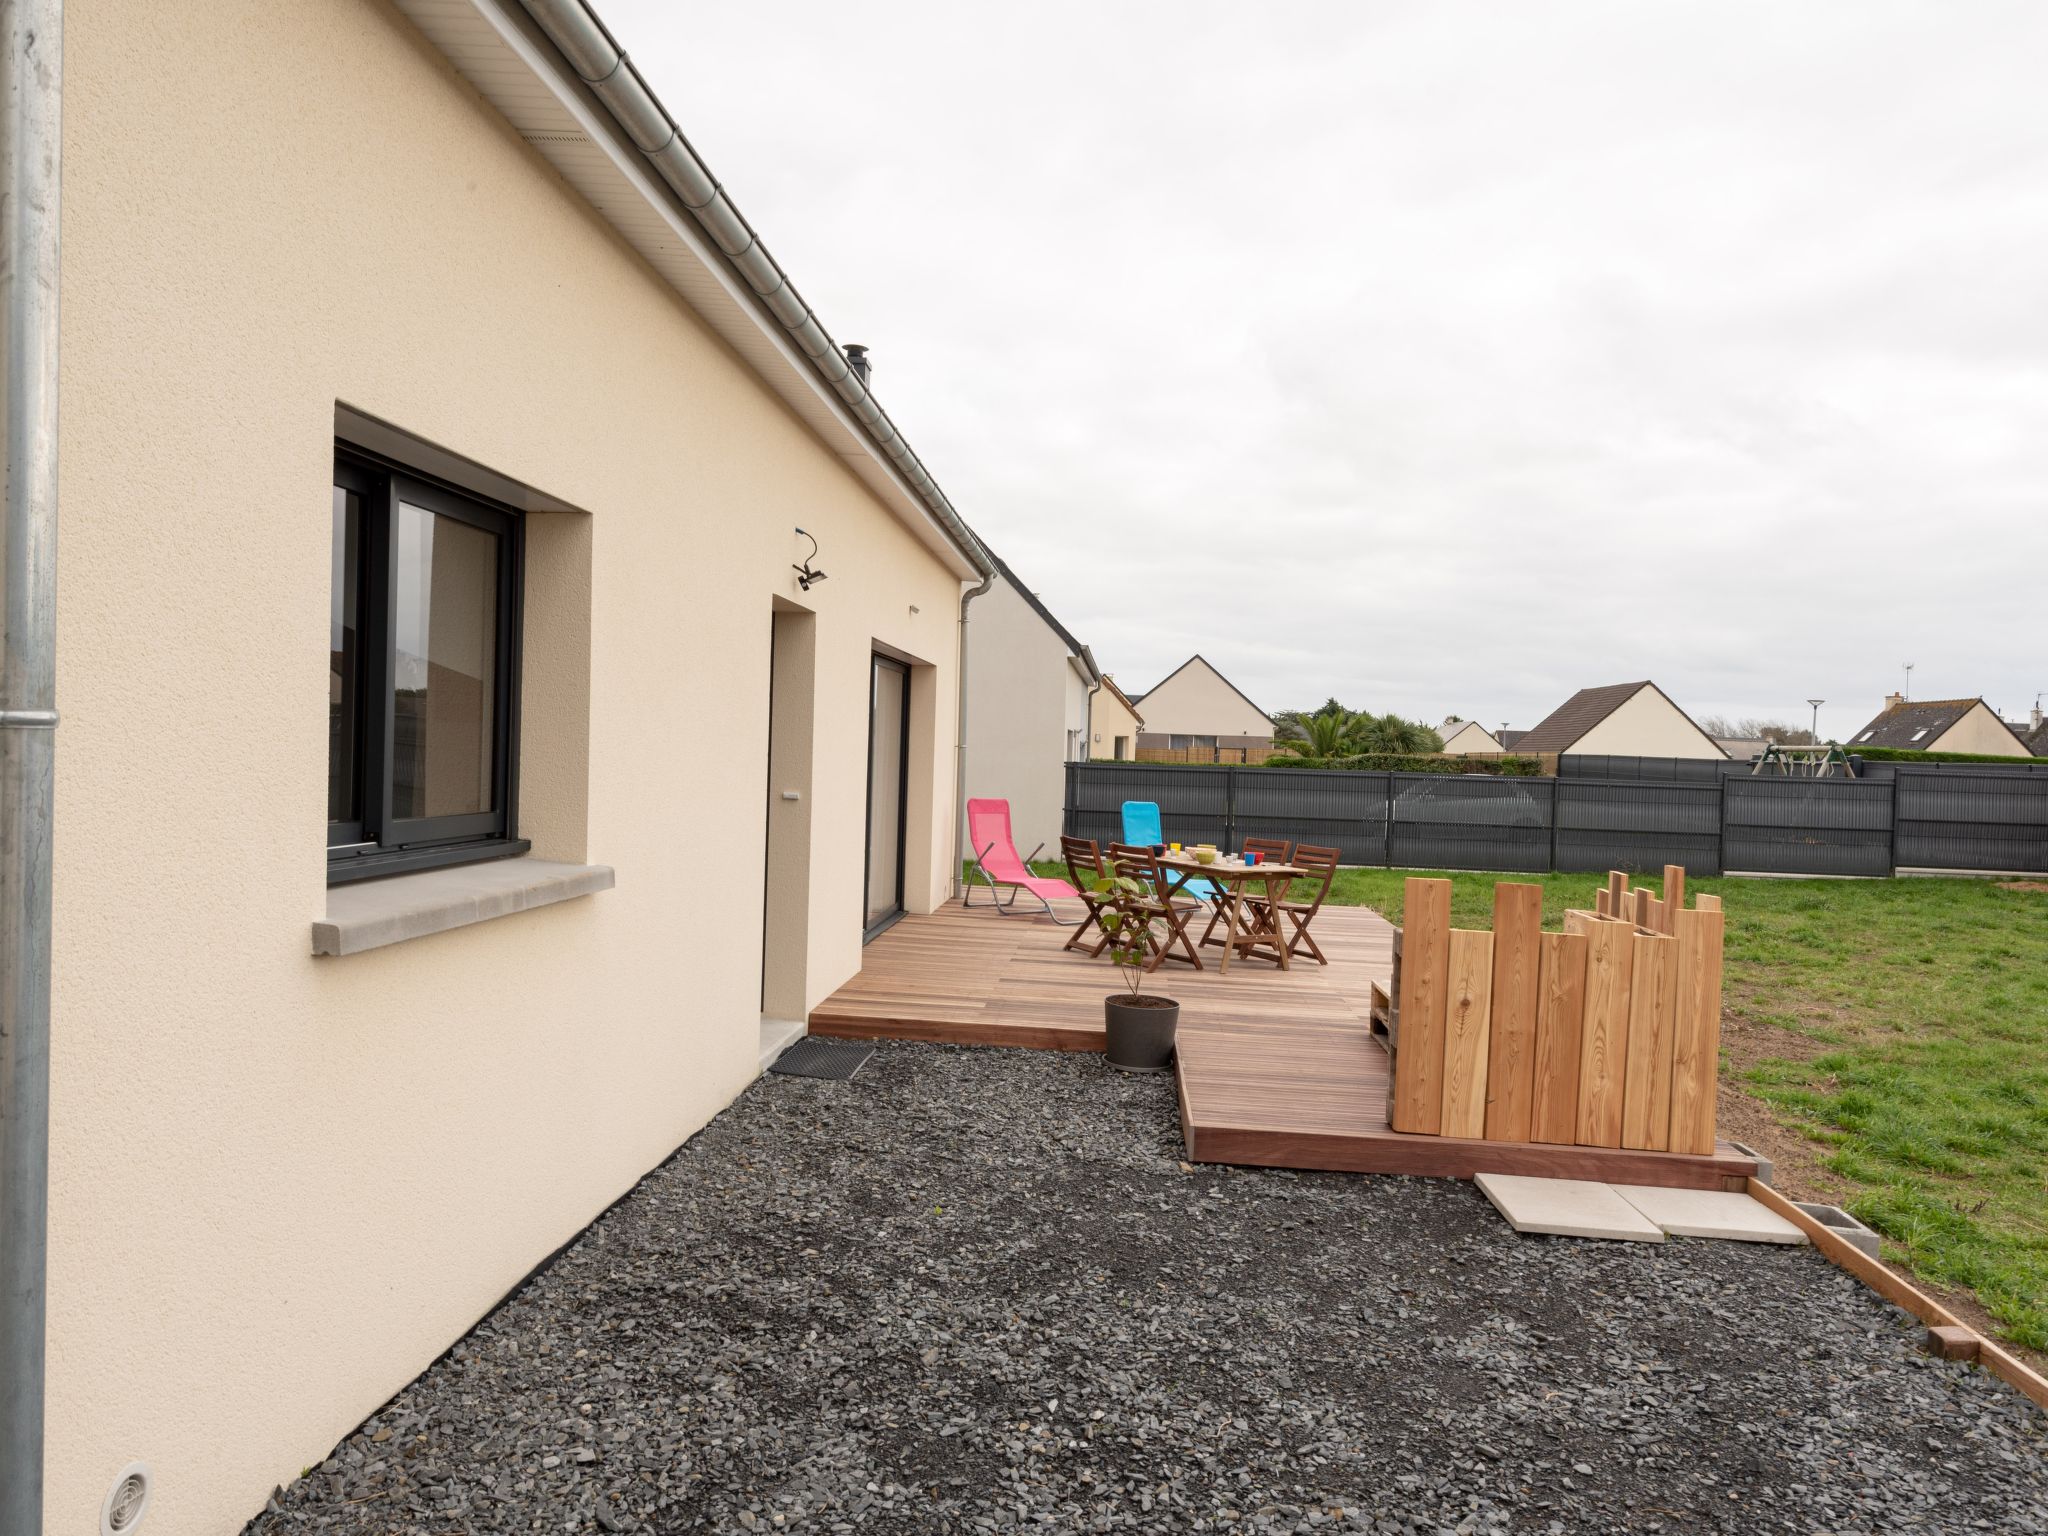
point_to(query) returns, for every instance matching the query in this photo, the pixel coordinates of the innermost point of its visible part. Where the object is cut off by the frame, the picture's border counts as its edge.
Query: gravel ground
(978, 1291)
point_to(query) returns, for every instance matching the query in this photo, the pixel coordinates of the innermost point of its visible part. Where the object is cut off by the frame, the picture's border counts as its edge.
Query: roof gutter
(31, 142)
(595, 55)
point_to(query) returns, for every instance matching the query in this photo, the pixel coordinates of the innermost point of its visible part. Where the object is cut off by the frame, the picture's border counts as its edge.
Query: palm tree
(1334, 731)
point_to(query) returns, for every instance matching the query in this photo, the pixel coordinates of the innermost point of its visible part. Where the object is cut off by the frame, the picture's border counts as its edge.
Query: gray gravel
(978, 1291)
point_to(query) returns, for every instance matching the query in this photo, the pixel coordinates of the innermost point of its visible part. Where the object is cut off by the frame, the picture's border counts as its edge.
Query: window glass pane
(888, 703)
(344, 661)
(446, 666)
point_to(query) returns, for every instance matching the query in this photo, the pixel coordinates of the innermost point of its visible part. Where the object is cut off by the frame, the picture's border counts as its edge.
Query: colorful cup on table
(1174, 846)
(1251, 860)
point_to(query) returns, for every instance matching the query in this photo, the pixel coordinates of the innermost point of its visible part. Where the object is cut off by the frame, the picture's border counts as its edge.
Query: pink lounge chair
(995, 855)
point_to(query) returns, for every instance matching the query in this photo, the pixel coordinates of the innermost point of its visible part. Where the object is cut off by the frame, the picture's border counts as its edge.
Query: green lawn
(1915, 1053)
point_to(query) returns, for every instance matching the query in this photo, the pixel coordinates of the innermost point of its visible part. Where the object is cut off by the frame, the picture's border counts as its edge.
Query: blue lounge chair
(1143, 827)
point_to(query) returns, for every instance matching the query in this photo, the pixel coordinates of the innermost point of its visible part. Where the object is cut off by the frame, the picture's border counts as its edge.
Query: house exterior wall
(1980, 730)
(1112, 720)
(1021, 705)
(1471, 737)
(1196, 701)
(1648, 725)
(281, 1185)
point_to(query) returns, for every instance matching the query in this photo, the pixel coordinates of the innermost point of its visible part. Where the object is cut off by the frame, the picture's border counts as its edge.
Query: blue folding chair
(1143, 827)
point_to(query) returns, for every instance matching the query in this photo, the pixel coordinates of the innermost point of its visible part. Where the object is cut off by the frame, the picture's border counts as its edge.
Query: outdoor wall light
(805, 576)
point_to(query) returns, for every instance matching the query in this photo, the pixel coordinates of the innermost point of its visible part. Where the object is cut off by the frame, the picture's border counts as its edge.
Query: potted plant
(1140, 1027)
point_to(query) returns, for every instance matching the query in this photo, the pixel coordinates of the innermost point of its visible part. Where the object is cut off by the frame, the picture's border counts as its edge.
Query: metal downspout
(31, 99)
(957, 883)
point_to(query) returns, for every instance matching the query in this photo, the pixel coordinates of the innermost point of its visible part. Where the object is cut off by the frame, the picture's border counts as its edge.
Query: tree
(1752, 729)
(1334, 731)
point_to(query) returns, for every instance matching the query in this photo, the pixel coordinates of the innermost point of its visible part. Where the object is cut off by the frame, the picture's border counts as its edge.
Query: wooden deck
(1275, 1069)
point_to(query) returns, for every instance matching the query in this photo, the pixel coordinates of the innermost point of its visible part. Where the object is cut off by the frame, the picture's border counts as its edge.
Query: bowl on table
(1205, 855)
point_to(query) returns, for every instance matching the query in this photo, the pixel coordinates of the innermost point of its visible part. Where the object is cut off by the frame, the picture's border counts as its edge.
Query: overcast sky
(1441, 357)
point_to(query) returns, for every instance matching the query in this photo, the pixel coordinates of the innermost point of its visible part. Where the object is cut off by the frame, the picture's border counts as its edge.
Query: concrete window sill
(368, 914)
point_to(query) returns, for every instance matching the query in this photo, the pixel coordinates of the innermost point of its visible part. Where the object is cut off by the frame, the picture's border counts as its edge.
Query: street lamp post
(1814, 734)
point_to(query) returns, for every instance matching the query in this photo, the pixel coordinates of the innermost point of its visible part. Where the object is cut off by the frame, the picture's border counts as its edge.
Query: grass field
(1902, 1026)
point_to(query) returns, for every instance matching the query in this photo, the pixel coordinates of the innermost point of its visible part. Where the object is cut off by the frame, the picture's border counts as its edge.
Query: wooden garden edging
(1948, 1335)
(1605, 1035)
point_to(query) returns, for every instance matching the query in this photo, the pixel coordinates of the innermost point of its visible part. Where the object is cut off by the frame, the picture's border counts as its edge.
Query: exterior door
(888, 755)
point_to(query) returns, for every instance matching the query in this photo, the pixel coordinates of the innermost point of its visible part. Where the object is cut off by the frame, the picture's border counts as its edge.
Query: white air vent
(556, 138)
(126, 1501)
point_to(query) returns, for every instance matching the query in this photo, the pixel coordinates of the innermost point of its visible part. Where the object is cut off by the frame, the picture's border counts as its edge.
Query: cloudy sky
(1442, 357)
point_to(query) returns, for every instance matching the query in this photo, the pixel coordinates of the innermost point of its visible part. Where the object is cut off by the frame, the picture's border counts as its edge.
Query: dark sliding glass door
(888, 758)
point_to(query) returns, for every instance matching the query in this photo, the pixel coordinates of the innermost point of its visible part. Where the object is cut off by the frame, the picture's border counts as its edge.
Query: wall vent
(126, 1501)
(556, 138)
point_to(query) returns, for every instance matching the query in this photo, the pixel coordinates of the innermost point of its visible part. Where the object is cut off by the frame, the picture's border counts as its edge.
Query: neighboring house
(1113, 724)
(1028, 686)
(425, 457)
(1466, 736)
(1510, 741)
(1744, 749)
(1940, 725)
(1622, 719)
(2034, 733)
(1197, 706)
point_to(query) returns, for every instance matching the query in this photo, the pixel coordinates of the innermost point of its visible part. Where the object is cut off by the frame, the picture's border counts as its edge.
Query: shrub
(1414, 762)
(1908, 755)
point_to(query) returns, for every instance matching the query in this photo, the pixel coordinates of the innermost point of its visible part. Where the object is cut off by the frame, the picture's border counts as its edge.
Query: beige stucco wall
(1978, 731)
(281, 1185)
(1023, 697)
(1109, 718)
(1648, 725)
(1471, 737)
(1196, 701)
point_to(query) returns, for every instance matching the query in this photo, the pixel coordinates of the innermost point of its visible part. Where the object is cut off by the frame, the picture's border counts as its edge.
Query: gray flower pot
(1141, 1032)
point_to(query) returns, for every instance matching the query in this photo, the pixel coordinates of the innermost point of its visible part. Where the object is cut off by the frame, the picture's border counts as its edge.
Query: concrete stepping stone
(1718, 1213)
(1567, 1208)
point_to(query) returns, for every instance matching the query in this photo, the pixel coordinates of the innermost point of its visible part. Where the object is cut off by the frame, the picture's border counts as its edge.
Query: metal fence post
(1230, 810)
(1387, 827)
(1555, 785)
(1721, 824)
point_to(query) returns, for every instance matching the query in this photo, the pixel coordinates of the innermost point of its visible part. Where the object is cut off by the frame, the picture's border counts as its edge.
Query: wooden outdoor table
(1234, 875)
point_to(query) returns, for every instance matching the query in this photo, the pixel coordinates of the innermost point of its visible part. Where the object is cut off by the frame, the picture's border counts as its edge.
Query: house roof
(1110, 683)
(1565, 726)
(562, 82)
(2036, 739)
(1917, 724)
(1205, 661)
(1074, 647)
(1510, 741)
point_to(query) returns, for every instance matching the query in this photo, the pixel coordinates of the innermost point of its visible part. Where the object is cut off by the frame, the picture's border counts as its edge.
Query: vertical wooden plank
(1560, 1009)
(1696, 1030)
(1707, 902)
(1655, 920)
(1640, 914)
(1468, 997)
(1425, 973)
(1617, 893)
(1603, 1034)
(1674, 895)
(1511, 1018)
(1600, 907)
(1653, 999)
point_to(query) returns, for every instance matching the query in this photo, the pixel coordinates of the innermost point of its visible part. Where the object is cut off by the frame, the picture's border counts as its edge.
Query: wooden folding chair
(1083, 858)
(1299, 914)
(1152, 905)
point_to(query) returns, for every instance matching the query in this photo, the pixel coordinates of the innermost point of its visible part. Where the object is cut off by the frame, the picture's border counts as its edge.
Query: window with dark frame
(422, 687)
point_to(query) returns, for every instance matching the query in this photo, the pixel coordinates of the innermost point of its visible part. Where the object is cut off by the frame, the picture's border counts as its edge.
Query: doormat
(812, 1057)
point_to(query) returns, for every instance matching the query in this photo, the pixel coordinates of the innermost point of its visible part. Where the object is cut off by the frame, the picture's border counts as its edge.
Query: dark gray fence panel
(1346, 811)
(1972, 821)
(1806, 826)
(1601, 765)
(1638, 825)
(1194, 803)
(1445, 821)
